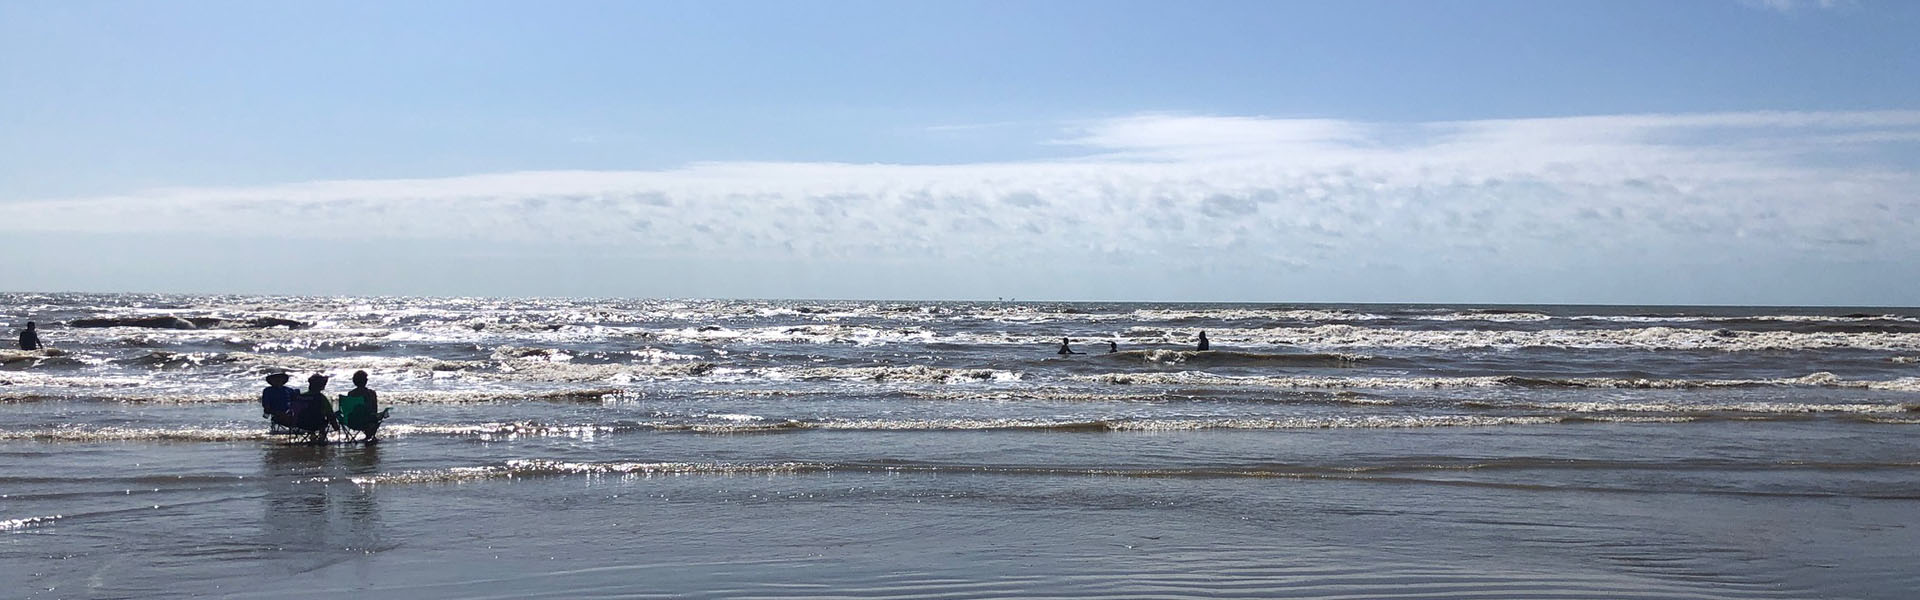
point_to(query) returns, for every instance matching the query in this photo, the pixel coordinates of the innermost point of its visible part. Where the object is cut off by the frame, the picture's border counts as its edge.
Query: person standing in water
(29, 338)
(1112, 347)
(1064, 348)
(1204, 346)
(360, 408)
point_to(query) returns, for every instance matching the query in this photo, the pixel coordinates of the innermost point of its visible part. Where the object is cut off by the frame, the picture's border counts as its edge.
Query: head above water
(360, 378)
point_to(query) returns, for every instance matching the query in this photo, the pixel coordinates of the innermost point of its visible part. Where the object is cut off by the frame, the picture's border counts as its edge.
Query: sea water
(571, 448)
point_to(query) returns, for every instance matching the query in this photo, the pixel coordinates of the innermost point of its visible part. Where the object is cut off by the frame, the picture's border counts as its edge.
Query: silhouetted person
(29, 338)
(1064, 348)
(276, 399)
(1203, 341)
(1112, 347)
(360, 408)
(310, 409)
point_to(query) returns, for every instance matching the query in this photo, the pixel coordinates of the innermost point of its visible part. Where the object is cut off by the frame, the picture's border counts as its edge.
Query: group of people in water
(1066, 346)
(292, 411)
(310, 413)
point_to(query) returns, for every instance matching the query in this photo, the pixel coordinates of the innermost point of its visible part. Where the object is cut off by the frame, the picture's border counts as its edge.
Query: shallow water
(735, 449)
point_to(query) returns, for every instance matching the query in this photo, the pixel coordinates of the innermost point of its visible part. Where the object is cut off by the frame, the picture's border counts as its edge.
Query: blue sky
(1609, 152)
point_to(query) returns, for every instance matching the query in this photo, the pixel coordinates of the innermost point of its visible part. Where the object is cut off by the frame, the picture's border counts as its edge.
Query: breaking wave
(1757, 408)
(142, 434)
(1904, 384)
(1645, 338)
(1393, 469)
(552, 468)
(23, 523)
(1228, 358)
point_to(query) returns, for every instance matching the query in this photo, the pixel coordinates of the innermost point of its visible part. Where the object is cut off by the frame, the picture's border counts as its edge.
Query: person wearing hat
(276, 399)
(311, 410)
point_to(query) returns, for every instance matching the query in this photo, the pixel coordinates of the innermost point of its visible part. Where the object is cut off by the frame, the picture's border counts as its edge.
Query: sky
(1605, 152)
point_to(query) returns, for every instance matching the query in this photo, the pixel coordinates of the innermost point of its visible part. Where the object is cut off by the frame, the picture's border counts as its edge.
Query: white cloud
(1162, 192)
(1787, 6)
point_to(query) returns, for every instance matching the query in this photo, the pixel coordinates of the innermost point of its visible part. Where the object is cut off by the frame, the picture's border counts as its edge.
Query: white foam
(1343, 422)
(113, 434)
(1649, 338)
(534, 468)
(18, 524)
(1323, 422)
(908, 374)
(735, 417)
(1201, 378)
(31, 378)
(1699, 407)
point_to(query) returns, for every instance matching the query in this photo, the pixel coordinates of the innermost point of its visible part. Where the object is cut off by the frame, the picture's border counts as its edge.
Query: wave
(1324, 337)
(1200, 378)
(1230, 358)
(48, 358)
(1184, 424)
(503, 431)
(133, 392)
(141, 434)
(1386, 470)
(535, 343)
(1749, 319)
(508, 364)
(538, 354)
(8, 356)
(1032, 315)
(262, 364)
(549, 371)
(51, 380)
(611, 373)
(175, 322)
(1072, 395)
(1568, 414)
(549, 468)
(162, 359)
(595, 395)
(613, 383)
(908, 374)
(497, 312)
(1645, 338)
(1770, 408)
(23, 523)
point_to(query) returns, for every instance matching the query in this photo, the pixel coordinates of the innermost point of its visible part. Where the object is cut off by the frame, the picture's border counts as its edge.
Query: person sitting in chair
(276, 401)
(360, 408)
(311, 412)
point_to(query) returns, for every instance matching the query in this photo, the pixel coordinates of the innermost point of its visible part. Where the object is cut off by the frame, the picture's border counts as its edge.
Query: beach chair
(290, 424)
(356, 416)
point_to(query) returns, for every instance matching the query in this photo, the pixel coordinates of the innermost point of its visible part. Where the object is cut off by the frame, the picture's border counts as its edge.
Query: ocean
(580, 448)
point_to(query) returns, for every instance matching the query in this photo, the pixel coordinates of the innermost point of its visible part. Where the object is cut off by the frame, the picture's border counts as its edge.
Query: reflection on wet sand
(314, 514)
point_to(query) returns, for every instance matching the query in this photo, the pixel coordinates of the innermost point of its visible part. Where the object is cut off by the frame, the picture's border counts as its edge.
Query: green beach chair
(356, 416)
